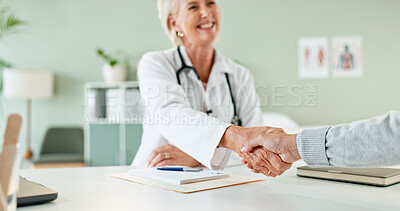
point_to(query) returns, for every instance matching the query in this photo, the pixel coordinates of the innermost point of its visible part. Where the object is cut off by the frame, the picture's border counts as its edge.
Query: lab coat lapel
(220, 67)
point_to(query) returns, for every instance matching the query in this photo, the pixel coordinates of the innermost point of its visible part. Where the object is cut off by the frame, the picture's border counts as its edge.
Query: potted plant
(114, 70)
(9, 23)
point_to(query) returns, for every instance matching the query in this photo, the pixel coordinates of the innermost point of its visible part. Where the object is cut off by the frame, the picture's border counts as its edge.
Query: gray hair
(165, 9)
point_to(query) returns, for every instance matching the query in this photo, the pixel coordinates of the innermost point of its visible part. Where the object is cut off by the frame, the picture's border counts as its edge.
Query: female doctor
(195, 98)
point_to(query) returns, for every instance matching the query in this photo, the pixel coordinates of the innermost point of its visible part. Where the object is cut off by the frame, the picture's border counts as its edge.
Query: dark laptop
(31, 193)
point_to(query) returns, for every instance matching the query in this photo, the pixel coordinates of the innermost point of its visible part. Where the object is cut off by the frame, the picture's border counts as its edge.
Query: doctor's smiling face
(198, 20)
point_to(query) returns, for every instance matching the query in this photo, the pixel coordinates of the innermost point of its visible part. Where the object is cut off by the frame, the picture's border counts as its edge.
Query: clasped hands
(269, 150)
(265, 150)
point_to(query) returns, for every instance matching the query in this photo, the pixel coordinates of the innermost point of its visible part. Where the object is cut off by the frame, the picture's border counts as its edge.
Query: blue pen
(179, 169)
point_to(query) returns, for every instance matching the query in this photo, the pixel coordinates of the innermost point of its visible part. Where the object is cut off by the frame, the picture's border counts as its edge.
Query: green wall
(261, 34)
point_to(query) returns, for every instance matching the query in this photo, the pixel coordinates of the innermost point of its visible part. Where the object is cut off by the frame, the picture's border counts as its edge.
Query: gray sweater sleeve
(367, 143)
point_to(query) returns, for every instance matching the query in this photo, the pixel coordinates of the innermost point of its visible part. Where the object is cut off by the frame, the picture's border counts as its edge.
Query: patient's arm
(366, 143)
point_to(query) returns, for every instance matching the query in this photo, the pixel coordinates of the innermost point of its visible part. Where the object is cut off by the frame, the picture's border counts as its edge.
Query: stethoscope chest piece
(236, 121)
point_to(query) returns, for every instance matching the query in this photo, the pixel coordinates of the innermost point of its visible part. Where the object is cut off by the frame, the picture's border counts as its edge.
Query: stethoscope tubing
(184, 66)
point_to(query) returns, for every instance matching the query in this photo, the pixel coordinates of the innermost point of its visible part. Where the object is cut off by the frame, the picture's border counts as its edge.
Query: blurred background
(62, 36)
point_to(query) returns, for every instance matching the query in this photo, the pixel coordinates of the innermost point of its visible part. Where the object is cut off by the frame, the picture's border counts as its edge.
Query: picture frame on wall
(347, 57)
(313, 57)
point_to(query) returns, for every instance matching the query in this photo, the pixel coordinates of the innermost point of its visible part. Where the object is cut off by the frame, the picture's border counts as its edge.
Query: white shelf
(115, 105)
(106, 121)
(108, 85)
(122, 112)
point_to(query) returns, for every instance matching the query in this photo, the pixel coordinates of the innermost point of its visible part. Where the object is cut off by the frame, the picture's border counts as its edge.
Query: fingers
(260, 167)
(157, 159)
(177, 157)
(252, 161)
(247, 160)
(157, 151)
(255, 171)
(278, 164)
(262, 163)
(265, 162)
(152, 155)
(275, 130)
(165, 163)
(158, 155)
(264, 170)
(248, 147)
(248, 165)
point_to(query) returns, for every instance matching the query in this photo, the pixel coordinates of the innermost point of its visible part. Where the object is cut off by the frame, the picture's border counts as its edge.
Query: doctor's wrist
(232, 138)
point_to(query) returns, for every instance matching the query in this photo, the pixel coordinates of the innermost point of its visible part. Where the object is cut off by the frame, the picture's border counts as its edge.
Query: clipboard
(232, 180)
(8, 156)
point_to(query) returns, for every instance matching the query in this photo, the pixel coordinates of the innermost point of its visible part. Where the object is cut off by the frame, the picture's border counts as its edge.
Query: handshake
(265, 150)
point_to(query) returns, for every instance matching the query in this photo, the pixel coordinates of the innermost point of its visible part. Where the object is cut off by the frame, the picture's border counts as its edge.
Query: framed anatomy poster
(313, 57)
(347, 58)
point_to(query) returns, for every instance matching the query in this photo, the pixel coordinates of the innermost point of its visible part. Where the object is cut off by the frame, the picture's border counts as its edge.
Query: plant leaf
(4, 64)
(9, 22)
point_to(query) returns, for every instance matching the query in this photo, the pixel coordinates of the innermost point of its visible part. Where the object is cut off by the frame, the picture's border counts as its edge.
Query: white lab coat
(175, 113)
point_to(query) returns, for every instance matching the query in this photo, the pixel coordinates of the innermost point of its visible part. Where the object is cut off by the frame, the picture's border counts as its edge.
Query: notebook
(178, 177)
(370, 176)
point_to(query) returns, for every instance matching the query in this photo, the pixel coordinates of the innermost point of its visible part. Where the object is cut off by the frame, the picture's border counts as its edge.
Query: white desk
(93, 189)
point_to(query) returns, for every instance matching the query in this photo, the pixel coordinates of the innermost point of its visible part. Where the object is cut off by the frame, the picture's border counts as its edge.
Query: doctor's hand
(169, 155)
(280, 143)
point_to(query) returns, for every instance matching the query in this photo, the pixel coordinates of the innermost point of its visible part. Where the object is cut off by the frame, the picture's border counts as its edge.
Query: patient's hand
(260, 160)
(283, 144)
(177, 157)
(282, 150)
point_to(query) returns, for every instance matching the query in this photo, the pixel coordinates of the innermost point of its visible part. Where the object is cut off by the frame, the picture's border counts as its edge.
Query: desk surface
(92, 189)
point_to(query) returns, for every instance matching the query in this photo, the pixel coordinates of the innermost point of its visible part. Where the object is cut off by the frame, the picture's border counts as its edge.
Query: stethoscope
(235, 120)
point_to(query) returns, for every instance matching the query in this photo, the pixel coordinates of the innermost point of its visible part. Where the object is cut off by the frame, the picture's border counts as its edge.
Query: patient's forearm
(373, 142)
